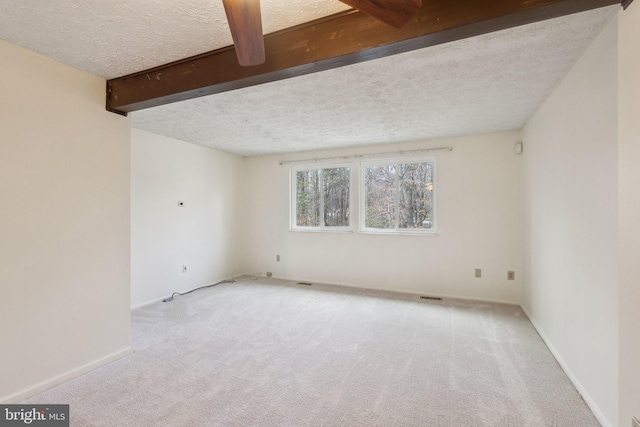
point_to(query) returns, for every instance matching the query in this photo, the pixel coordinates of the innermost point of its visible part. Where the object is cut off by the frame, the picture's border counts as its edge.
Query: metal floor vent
(431, 298)
(304, 283)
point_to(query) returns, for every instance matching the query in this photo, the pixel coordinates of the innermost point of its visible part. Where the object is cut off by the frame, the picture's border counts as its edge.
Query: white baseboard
(63, 378)
(572, 377)
(156, 300)
(403, 291)
(152, 301)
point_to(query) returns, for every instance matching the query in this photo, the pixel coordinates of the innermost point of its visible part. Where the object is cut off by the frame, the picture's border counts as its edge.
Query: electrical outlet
(277, 257)
(184, 268)
(478, 272)
(511, 275)
(635, 422)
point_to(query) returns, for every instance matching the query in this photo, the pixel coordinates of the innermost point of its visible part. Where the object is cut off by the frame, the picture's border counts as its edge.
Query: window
(320, 198)
(398, 196)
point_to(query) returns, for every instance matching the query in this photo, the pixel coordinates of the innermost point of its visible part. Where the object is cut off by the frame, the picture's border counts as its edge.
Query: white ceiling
(486, 84)
(113, 38)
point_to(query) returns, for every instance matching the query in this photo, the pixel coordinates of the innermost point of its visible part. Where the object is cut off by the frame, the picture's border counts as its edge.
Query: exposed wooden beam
(341, 39)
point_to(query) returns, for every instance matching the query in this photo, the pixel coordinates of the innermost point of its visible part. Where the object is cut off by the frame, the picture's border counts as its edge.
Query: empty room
(320, 213)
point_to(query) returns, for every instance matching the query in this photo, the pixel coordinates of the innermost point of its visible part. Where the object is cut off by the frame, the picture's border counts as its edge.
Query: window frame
(293, 199)
(396, 161)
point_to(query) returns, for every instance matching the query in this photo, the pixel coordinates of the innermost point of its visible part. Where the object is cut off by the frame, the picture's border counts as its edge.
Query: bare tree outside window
(322, 197)
(308, 198)
(415, 195)
(399, 196)
(380, 205)
(335, 183)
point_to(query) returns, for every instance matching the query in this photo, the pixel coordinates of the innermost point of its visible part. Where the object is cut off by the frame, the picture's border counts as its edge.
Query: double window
(395, 196)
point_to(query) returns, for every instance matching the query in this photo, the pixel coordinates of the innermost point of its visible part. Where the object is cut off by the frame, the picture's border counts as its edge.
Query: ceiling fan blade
(245, 21)
(392, 12)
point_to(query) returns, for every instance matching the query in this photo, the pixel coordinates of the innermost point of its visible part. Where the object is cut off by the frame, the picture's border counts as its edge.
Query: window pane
(308, 198)
(380, 210)
(335, 183)
(415, 198)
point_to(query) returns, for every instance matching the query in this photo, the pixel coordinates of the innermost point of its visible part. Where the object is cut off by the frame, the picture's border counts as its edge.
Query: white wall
(205, 234)
(479, 226)
(570, 286)
(629, 210)
(64, 224)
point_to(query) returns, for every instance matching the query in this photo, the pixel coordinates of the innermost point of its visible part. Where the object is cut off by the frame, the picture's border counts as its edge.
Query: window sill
(322, 230)
(401, 233)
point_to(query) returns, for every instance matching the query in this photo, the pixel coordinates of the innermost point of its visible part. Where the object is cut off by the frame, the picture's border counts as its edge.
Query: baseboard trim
(150, 302)
(156, 300)
(402, 291)
(65, 377)
(572, 377)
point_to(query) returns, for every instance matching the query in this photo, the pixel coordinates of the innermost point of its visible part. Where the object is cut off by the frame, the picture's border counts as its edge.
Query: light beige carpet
(274, 353)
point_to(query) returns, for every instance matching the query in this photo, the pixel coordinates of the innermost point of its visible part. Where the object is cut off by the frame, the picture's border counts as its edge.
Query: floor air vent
(431, 298)
(304, 283)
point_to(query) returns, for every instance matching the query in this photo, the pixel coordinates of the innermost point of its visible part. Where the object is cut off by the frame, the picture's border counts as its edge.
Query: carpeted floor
(275, 353)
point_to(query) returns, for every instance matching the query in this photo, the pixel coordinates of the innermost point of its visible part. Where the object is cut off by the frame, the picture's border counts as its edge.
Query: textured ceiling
(485, 84)
(117, 37)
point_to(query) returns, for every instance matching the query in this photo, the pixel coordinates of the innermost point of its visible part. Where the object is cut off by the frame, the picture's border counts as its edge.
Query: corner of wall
(629, 211)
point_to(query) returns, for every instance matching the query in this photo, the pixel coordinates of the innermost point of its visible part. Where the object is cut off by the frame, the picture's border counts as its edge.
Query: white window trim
(292, 198)
(362, 196)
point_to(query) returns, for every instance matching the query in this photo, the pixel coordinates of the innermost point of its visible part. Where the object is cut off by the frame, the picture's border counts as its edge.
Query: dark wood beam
(341, 39)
